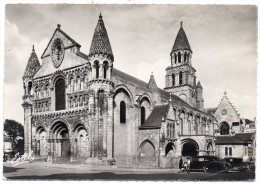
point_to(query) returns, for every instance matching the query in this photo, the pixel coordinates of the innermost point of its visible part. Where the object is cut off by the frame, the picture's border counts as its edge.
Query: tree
(14, 130)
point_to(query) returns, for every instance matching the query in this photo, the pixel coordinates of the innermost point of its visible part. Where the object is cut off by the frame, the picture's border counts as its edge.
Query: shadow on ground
(10, 169)
(249, 176)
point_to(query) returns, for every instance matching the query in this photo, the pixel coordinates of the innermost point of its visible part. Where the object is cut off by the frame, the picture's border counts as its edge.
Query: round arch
(122, 88)
(224, 128)
(189, 147)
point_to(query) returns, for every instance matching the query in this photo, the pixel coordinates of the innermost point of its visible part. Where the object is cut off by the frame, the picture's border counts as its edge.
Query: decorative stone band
(102, 81)
(44, 115)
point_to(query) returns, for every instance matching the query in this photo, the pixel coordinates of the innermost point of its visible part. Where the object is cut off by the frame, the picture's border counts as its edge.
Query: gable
(226, 112)
(72, 57)
(67, 41)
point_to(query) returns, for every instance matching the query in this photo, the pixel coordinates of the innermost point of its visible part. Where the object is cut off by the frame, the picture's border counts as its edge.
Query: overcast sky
(223, 40)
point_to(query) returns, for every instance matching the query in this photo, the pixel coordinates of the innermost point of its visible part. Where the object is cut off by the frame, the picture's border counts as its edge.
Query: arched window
(96, 65)
(173, 79)
(188, 57)
(185, 56)
(29, 87)
(122, 112)
(60, 94)
(230, 151)
(180, 78)
(105, 67)
(142, 115)
(224, 128)
(179, 57)
(226, 151)
(175, 58)
(78, 82)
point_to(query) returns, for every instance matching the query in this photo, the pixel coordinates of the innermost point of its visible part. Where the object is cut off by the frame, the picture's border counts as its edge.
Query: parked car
(208, 164)
(239, 165)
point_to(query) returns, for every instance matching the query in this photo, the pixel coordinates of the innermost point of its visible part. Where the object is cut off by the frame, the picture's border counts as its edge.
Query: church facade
(79, 108)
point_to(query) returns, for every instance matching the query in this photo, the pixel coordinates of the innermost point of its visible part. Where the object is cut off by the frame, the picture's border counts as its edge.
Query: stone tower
(180, 77)
(32, 67)
(101, 101)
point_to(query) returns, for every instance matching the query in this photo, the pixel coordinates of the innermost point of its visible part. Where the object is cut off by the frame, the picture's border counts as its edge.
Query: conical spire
(152, 84)
(100, 42)
(32, 66)
(198, 85)
(181, 41)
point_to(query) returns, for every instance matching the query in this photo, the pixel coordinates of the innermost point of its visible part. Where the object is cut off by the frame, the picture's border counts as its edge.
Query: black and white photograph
(129, 92)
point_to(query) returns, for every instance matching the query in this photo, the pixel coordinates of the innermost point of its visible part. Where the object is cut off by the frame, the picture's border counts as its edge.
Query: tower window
(142, 115)
(60, 94)
(188, 57)
(179, 57)
(180, 78)
(29, 88)
(105, 67)
(96, 65)
(175, 58)
(185, 56)
(173, 79)
(122, 112)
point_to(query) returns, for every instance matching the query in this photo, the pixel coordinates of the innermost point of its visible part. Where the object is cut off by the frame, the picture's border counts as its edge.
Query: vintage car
(238, 164)
(208, 164)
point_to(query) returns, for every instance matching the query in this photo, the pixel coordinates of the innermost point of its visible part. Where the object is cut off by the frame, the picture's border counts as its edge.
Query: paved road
(47, 171)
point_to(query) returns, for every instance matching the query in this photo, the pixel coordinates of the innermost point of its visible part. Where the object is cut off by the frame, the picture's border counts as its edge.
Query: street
(47, 171)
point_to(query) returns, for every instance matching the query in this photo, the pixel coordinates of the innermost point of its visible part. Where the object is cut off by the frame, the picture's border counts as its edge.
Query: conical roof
(181, 41)
(152, 84)
(100, 42)
(32, 66)
(199, 85)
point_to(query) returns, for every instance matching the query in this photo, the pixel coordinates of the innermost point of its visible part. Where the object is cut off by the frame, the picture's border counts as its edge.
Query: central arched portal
(189, 148)
(60, 142)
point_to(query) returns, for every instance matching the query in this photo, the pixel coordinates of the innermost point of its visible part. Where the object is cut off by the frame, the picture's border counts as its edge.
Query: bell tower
(101, 99)
(32, 67)
(180, 77)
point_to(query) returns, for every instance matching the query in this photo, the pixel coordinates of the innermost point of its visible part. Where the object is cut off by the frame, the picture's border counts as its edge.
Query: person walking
(188, 165)
(181, 164)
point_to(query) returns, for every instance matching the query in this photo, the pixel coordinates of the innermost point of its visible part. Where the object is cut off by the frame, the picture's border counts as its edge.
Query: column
(110, 127)
(101, 71)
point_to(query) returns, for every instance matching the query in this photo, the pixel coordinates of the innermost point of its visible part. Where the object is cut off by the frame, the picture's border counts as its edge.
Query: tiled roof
(239, 138)
(155, 118)
(32, 66)
(181, 41)
(100, 42)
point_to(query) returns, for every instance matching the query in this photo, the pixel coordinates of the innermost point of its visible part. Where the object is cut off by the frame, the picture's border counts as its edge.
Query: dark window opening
(105, 67)
(122, 112)
(180, 78)
(224, 128)
(185, 56)
(175, 58)
(29, 88)
(179, 57)
(96, 65)
(226, 151)
(173, 80)
(60, 94)
(230, 151)
(142, 115)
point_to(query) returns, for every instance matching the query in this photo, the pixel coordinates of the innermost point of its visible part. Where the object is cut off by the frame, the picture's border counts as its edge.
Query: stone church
(79, 108)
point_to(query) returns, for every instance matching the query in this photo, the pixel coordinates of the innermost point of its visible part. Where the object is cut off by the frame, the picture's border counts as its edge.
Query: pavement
(48, 171)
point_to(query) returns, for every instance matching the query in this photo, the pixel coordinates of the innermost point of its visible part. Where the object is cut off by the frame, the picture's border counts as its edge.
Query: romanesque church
(79, 108)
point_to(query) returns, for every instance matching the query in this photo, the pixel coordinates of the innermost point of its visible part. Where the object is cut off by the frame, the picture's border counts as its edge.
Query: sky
(223, 39)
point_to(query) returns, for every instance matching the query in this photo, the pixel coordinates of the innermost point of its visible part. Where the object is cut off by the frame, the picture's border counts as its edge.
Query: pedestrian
(181, 164)
(188, 165)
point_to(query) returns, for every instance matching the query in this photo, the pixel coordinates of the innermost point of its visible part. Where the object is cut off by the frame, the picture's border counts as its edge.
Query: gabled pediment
(66, 39)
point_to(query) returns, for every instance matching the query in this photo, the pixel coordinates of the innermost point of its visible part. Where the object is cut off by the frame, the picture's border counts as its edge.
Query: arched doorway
(169, 149)
(147, 154)
(60, 142)
(210, 149)
(189, 148)
(41, 142)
